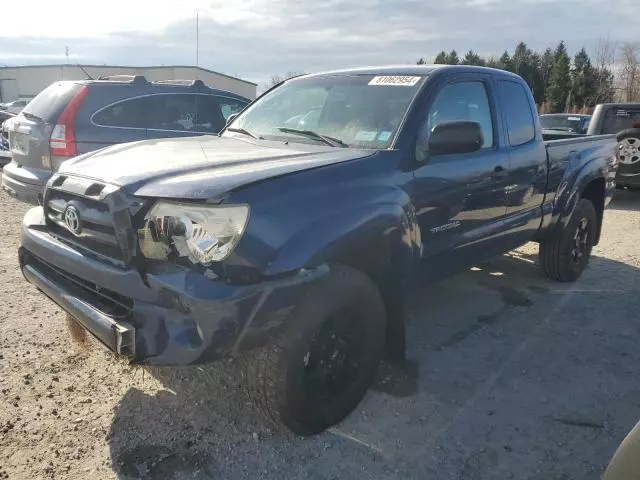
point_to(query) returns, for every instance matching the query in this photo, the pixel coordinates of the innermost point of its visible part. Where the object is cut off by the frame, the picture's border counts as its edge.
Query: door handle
(498, 172)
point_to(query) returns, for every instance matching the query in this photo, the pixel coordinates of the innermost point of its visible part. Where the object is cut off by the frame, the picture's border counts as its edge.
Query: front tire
(319, 369)
(566, 254)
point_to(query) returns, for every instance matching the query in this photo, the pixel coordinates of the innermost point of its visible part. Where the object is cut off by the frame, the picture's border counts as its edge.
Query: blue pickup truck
(289, 239)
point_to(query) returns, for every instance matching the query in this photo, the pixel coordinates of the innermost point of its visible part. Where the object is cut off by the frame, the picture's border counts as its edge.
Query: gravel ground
(509, 376)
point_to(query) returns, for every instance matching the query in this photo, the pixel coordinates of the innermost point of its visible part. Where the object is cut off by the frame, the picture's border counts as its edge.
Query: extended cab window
(463, 101)
(362, 111)
(517, 111)
(128, 114)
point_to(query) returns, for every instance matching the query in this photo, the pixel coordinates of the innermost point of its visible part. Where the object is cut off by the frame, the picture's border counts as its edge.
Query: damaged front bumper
(170, 314)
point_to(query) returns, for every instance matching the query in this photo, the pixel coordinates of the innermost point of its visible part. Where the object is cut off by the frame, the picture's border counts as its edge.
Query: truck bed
(571, 153)
(560, 150)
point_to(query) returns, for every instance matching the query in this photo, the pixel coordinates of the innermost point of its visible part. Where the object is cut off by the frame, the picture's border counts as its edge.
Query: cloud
(257, 38)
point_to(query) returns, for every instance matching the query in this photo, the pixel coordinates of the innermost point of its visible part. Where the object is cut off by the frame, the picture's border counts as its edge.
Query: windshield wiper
(242, 130)
(334, 142)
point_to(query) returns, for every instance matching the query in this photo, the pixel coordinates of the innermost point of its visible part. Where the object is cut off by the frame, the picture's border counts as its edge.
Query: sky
(255, 39)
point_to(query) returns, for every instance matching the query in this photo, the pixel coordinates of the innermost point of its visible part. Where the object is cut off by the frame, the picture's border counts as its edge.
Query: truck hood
(204, 167)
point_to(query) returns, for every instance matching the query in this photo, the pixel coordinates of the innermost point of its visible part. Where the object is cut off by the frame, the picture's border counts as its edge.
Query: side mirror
(455, 137)
(231, 118)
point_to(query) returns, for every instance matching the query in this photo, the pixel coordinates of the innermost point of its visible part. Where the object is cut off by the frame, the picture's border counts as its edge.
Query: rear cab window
(516, 110)
(618, 119)
(49, 104)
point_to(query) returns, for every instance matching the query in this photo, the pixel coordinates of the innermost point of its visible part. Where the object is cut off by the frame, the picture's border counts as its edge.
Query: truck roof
(422, 70)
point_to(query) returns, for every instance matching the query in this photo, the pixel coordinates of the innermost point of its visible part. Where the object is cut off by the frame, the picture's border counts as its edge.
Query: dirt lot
(510, 376)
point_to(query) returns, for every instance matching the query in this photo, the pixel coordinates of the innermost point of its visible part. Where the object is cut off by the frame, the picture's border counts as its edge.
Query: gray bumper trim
(25, 192)
(118, 336)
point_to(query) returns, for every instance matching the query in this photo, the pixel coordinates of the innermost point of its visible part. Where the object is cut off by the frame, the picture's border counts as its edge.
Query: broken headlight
(203, 233)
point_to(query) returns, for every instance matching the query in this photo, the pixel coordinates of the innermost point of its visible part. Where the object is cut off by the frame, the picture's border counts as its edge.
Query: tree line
(558, 84)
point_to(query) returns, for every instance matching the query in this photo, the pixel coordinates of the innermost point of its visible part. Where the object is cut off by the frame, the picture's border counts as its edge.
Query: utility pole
(63, 69)
(197, 37)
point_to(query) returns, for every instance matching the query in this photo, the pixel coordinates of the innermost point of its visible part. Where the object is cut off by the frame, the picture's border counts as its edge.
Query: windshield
(362, 111)
(566, 123)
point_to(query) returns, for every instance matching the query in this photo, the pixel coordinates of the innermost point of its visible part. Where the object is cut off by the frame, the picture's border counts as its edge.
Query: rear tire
(566, 254)
(319, 369)
(629, 146)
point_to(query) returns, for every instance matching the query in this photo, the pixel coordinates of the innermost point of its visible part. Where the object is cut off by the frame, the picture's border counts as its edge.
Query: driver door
(460, 198)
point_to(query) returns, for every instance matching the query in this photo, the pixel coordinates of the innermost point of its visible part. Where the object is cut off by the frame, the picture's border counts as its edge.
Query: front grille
(106, 301)
(87, 243)
(93, 204)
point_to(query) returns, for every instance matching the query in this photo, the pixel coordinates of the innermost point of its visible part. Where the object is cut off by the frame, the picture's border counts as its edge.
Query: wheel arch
(390, 266)
(594, 191)
(379, 241)
(587, 182)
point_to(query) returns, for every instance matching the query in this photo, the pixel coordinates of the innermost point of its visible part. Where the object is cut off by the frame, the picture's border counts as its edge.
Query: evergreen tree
(452, 58)
(583, 81)
(441, 58)
(559, 85)
(546, 62)
(472, 58)
(537, 82)
(525, 63)
(521, 62)
(493, 63)
(505, 62)
(421, 61)
(604, 90)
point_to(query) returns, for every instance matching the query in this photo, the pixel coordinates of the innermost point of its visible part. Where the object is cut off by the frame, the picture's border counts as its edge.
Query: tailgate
(29, 143)
(30, 131)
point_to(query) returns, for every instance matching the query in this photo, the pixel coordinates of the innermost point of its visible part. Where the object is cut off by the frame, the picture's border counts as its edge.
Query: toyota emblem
(72, 219)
